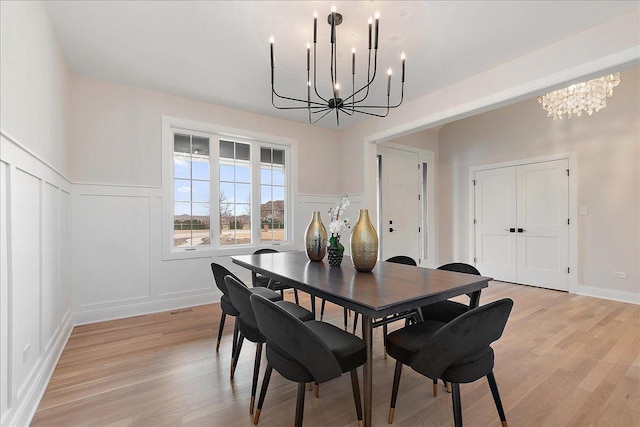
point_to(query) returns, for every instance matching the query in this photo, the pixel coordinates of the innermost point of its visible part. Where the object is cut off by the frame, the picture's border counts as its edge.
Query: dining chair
(258, 279)
(248, 327)
(219, 273)
(415, 314)
(458, 352)
(303, 352)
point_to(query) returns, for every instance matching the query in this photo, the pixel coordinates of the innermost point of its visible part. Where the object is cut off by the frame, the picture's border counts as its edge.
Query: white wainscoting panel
(35, 319)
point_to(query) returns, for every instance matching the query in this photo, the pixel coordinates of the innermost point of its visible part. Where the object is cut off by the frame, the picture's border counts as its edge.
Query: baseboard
(139, 309)
(620, 296)
(24, 410)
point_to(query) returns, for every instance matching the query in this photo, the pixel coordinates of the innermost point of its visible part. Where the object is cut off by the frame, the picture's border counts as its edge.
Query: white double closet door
(522, 223)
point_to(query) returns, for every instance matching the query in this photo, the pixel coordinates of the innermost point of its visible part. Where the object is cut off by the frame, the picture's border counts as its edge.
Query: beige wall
(608, 155)
(116, 135)
(34, 83)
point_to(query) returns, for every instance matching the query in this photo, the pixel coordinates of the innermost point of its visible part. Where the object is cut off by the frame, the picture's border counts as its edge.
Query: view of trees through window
(191, 179)
(192, 192)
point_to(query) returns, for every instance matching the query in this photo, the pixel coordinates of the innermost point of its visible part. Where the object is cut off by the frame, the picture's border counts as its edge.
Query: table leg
(475, 300)
(367, 369)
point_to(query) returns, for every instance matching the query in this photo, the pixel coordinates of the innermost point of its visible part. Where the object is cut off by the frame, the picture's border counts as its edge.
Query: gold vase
(316, 238)
(364, 243)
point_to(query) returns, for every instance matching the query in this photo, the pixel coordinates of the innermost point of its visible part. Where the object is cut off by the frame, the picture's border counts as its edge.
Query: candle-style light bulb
(353, 60)
(403, 57)
(271, 48)
(389, 72)
(315, 27)
(370, 31)
(377, 17)
(336, 90)
(334, 9)
(308, 56)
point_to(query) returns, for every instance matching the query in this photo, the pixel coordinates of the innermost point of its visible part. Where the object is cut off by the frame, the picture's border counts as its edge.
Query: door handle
(390, 230)
(521, 230)
(510, 230)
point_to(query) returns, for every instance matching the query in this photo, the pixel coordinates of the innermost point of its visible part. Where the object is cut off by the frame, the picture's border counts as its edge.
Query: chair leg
(322, 309)
(496, 398)
(234, 361)
(313, 306)
(300, 405)
(256, 372)
(317, 390)
(435, 387)
(263, 392)
(220, 329)
(394, 390)
(295, 296)
(457, 405)
(355, 384)
(236, 332)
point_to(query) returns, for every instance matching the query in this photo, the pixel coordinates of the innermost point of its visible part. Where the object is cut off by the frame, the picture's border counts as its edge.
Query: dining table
(387, 290)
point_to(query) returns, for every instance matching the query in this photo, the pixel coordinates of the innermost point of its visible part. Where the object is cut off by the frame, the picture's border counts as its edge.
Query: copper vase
(316, 238)
(364, 243)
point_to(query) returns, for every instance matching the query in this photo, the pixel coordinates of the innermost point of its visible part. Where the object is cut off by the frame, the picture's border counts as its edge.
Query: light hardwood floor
(564, 360)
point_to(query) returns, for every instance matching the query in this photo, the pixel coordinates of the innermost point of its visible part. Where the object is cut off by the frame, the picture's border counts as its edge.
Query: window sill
(222, 252)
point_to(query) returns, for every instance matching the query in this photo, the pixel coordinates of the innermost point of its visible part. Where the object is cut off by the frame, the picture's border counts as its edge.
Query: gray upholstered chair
(219, 272)
(305, 352)
(457, 352)
(240, 296)
(258, 279)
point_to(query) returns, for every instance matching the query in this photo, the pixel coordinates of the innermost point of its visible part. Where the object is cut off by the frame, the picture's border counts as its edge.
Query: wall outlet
(582, 211)
(25, 352)
(619, 274)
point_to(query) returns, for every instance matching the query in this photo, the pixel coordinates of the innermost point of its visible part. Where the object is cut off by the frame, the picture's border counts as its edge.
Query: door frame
(427, 219)
(573, 205)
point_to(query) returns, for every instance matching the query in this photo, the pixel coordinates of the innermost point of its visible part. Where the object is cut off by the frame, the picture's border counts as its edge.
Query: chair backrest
(402, 259)
(219, 273)
(240, 294)
(292, 336)
(460, 267)
(465, 335)
(265, 251)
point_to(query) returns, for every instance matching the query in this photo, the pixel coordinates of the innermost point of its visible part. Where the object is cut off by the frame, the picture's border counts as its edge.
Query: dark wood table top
(388, 289)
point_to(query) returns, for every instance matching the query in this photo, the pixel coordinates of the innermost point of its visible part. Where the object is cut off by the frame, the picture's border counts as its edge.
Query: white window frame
(215, 133)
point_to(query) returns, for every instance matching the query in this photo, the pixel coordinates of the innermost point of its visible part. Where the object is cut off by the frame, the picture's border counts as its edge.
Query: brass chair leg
(317, 394)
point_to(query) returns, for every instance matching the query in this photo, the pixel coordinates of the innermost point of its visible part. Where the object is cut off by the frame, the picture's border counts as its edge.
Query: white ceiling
(218, 52)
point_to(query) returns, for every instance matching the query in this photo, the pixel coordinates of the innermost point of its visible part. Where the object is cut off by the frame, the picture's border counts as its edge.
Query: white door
(522, 229)
(543, 224)
(495, 217)
(401, 203)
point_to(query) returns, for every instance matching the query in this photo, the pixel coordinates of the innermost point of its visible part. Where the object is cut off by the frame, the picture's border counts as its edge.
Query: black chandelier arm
(306, 102)
(370, 79)
(315, 87)
(319, 118)
(384, 106)
(369, 113)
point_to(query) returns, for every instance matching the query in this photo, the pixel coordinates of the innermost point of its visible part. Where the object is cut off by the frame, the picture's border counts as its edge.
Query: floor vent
(186, 310)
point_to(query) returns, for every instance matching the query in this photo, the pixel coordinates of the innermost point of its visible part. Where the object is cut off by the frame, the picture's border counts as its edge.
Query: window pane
(226, 192)
(201, 210)
(278, 193)
(182, 190)
(182, 224)
(278, 177)
(226, 149)
(243, 151)
(265, 155)
(200, 146)
(200, 168)
(243, 174)
(181, 166)
(181, 143)
(200, 191)
(278, 157)
(243, 193)
(227, 172)
(265, 195)
(265, 175)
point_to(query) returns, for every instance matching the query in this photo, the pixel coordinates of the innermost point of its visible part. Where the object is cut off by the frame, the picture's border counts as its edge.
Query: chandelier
(320, 105)
(581, 97)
